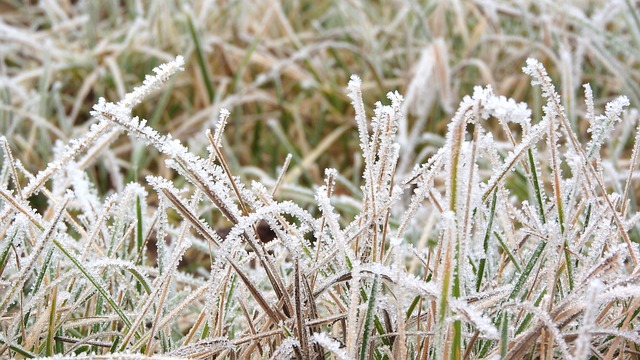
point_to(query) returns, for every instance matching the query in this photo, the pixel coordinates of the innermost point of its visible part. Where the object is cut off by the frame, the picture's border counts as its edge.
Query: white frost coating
(71, 150)
(602, 125)
(352, 313)
(425, 175)
(517, 225)
(332, 345)
(86, 193)
(447, 266)
(620, 292)
(547, 321)
(206, 176)
(217, 275)
(162, 224)
(285, 350)
(8, 159)
(332, 222)
(166, 188)
(583, 343)
(484, 324)
(536, 133)
(330, 177)
(385, 124)
(44, 239)
(151, 83)
(402, 279)
(540, 77)
(552, 252)
(220, 126)
(355, 94)
(588, 99)
(505, 109)
(603, 233)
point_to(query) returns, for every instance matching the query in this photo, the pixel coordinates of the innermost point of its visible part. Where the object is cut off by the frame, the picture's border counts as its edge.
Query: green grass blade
(456, 344)
(204, 69)
(114, 346)
(39, 279)
(504, 335)
(485, 243)
(52, 321)
(527, 270)
(141, 279)
(368, 318)
(4, 254)
(380, 329)
(413, 305)
(567, 258)
(18, 349)
(139, 229)
(529, 317)
(505, 248)
(95, 283)
(536, 185)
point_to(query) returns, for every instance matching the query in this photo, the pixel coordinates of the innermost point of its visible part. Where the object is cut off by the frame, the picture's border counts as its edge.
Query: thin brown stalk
(252, 328)
(203, 185)
(227, 172)
(219, 324)
(194, 327)
(274, 315)
(156, 319)
(470, 182)
(191, 217)
(275, 279)
(19, 207)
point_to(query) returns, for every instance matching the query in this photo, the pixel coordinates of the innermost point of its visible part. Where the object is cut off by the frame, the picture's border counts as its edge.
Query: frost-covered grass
(441, 263)
(338, 230)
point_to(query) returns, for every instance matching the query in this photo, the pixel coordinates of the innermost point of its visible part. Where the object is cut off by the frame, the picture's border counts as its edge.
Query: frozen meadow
(444, 221)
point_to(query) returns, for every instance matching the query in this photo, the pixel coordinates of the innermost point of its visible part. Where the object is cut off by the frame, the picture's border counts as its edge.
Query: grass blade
(527, 269)
(371, 303)
(204, 69)
(485, 243)
(95, 283)
(504, 335)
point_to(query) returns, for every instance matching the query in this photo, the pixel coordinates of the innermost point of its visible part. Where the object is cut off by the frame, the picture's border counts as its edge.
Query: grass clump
(441, 261)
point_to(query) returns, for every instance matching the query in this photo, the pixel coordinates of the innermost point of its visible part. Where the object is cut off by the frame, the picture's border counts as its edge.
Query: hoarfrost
(332, 345)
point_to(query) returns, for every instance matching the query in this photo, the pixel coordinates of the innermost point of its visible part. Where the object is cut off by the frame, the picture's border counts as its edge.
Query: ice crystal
(355, 94)
(152, 83)
(220, 125)
(602, 125)
(332, 345)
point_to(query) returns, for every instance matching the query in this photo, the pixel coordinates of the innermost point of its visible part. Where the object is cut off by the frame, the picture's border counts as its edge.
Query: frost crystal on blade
(152, 83)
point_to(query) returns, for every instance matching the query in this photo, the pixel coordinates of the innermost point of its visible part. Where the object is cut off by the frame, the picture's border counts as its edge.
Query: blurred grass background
(281, 68)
